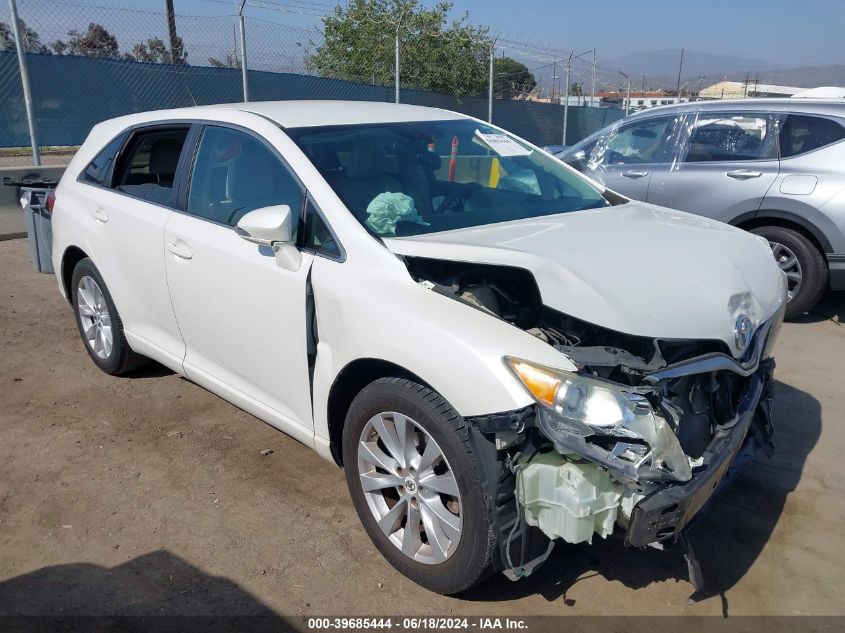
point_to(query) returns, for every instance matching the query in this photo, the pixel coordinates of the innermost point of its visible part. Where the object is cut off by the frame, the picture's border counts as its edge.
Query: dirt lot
(149, 495)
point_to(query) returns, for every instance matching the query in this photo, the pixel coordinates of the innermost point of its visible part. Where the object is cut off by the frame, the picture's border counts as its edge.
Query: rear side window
(729, 138)
(802, 133)
(99, 170)
(147, 168)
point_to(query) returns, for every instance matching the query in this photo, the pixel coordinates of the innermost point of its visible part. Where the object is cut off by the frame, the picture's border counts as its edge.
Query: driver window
(633, 144)
(235, 173)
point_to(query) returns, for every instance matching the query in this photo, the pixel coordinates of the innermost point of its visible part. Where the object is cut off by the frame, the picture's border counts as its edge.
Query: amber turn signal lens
(542, 384)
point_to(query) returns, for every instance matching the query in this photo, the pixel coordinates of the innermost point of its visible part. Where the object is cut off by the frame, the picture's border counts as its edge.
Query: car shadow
(150, 370)
(157, 589)
(727, 539)
(830, 308)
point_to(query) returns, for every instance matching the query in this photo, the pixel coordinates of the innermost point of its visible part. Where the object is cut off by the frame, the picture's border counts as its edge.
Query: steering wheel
(458, 194)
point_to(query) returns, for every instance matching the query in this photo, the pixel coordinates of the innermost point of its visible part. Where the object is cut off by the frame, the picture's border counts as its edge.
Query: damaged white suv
(499, 352)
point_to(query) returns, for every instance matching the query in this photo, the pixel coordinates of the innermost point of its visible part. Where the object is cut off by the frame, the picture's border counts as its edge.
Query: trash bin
(33, 192)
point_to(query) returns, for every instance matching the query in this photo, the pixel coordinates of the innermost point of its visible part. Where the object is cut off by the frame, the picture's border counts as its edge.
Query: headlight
(578, 405)
(578, 398)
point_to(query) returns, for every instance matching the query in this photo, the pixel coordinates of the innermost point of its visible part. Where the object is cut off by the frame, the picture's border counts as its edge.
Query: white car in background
(500, 353)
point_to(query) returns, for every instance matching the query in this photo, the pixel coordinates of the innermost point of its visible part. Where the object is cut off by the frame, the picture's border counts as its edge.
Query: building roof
(739, 89)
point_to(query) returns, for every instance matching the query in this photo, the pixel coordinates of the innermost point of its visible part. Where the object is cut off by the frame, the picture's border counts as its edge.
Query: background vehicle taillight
(51, 201)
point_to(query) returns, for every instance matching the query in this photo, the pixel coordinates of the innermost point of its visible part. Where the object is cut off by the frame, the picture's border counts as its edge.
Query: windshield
(404, 179)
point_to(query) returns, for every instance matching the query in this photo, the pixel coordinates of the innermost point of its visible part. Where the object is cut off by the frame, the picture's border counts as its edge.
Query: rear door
(722, 167)
(129, 205)
(625, 158)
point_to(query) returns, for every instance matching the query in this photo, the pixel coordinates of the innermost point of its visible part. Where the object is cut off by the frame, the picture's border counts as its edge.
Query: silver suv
(775, 167)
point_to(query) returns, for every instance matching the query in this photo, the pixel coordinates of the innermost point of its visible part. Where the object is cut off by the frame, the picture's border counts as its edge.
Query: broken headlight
(620, 420)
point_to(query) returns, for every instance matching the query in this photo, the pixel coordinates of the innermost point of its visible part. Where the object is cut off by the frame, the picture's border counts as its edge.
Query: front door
(242, 316)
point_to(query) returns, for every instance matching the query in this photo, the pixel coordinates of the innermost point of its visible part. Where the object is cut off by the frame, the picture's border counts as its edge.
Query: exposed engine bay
(638, 437)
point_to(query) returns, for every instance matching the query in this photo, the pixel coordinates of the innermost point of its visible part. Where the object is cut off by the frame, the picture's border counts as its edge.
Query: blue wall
(71, 94)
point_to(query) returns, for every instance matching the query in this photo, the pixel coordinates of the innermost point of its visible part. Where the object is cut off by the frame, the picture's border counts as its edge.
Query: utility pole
(700, 81)
(642, 87)
(27, 93)
(171, 30)
(745, 87)
(593, 85)
(680, 68)
(244, 77)
(756, 79)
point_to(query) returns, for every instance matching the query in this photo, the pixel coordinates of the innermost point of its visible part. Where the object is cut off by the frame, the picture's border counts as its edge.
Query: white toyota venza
(500, 353)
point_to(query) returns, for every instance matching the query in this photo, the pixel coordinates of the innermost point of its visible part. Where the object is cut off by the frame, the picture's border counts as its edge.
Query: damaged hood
(634, 268)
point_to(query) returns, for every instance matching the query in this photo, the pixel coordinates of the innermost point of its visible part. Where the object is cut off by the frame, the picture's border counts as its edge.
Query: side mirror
(272, 226)
(266, 225)
(578, 160)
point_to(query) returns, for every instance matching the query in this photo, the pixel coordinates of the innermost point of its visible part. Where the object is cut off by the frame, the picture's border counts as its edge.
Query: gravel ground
(149, 495)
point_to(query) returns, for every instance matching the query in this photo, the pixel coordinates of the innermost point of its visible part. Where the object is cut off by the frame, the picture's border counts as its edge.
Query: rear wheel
(803, 263)
(415, 485)
(99, 322)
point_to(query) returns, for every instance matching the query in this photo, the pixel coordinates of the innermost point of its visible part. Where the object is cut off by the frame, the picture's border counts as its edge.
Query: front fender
(378, 311)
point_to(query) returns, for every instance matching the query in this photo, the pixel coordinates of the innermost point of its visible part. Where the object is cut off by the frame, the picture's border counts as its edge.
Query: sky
(784, 32)
(778, 32)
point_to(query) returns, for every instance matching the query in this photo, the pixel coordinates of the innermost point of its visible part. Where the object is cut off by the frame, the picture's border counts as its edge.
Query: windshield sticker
(502, 144)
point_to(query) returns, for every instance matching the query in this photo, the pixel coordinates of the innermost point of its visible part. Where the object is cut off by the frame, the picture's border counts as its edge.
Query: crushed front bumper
(663, 514)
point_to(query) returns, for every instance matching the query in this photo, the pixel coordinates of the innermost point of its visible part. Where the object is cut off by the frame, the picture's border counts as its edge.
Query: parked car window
(99, 168)
(800, 134)
(408, 178)
(729, 137)
(147, 168)
(633, 144)
(318, 237)
(235, 173)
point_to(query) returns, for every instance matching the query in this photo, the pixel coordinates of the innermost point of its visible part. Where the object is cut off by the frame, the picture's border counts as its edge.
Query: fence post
(396, 65)
(490, 87)
(243, 51)
(27, 93)
(566, 99)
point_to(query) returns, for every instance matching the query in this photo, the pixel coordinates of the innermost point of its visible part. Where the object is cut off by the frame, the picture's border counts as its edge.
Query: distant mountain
(663, 64)
(799, 76)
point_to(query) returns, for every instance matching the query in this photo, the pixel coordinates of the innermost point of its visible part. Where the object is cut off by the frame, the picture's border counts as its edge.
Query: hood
(634, 268)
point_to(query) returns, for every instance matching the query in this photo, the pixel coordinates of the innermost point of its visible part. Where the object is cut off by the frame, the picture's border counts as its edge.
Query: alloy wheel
(94, 316)
(789, 264)
(410, 488)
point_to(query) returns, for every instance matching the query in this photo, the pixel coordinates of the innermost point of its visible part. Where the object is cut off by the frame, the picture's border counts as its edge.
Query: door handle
(634, 173)
(180, 249)
(100, 215)
(743, 174)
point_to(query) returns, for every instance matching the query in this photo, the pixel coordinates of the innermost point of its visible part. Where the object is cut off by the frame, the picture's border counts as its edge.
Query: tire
(445, 565)
(89, 291)
(811, 266)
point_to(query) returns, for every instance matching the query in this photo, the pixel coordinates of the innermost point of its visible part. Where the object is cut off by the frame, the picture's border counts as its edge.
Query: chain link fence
(88, 62)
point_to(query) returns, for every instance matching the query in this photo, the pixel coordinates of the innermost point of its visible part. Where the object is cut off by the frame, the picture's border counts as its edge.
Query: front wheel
(803, 264)
(414, 482)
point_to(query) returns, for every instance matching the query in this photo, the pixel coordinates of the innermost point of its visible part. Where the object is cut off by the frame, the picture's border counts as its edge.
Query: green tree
(435, 53)
(576, 89)
(155, 51)
(31, 39)
(95, 42)
(511, 79)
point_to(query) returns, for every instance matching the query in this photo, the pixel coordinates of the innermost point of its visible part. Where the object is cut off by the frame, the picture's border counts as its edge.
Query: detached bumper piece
(661, 516)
